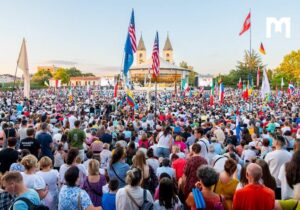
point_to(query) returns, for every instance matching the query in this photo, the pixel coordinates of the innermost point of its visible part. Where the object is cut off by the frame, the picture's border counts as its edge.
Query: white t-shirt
(275, 160)
(51, 178)
(154, 163)
(204, 143)
(124, 202)
(164, 141)
(30, 180)
(286, 191)
(72, 120)
(248, 154)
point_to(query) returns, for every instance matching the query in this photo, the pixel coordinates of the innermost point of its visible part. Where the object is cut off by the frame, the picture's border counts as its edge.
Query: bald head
(254, 172)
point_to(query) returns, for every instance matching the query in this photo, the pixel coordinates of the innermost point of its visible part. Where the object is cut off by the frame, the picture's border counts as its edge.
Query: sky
(90, 35)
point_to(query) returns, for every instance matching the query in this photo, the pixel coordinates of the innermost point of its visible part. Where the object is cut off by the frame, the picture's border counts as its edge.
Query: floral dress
(69, 197)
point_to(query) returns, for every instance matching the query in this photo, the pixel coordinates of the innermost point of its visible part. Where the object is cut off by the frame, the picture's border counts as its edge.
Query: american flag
(131, 31)
(155, 57)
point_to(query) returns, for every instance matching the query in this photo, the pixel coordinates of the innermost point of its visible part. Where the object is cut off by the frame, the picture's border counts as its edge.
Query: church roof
(141, 45)
(163, 65)
(168, 45)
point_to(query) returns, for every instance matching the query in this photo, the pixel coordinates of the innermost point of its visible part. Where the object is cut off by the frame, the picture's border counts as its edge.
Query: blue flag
(130, 45)
(128, 58)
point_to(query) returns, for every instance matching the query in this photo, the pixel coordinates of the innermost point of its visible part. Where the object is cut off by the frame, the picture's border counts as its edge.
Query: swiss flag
(247, 24)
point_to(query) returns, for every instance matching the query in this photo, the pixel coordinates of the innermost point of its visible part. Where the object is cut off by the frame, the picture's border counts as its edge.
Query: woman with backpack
(149, 178)
(133, 196)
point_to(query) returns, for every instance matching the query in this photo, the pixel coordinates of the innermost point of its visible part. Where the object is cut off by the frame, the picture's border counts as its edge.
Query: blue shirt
(109, 201)
(32, 195)
(45, 140)
(121, 170)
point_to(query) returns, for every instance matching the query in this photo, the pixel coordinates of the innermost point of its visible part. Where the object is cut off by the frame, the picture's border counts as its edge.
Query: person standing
(204, 143)
(276, 159)
(14, 185)
(190, 169)
(76, 139)
(23, 130)
(9, 155)
(254, 195)
(31, 143)
(46, 142)
(72, 119)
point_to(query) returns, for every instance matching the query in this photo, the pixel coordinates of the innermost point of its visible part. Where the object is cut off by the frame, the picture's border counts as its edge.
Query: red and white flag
(155, 57)
(247, 24)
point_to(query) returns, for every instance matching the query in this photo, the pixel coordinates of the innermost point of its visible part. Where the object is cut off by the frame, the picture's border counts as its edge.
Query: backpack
(219, 205)
(146, 205)
(30, 205)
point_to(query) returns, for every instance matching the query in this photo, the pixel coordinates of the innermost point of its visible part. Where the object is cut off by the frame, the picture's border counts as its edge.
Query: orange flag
(262, 49)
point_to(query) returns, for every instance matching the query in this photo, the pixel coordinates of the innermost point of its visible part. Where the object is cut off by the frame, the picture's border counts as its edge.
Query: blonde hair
(12, 176)
(93, 167)
(178, 138)
(175, 148)
(29, 162)
(139, 160)
(45, 162)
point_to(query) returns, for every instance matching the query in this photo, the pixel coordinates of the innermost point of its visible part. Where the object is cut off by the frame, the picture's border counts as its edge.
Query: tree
(88, 75)
(62, 74)
(183, 64)
(41, 76)
(244, 69)
(73, 72)
(290, 67)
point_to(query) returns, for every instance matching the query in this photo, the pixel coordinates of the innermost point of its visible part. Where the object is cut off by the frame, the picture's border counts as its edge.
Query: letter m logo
(278, 26)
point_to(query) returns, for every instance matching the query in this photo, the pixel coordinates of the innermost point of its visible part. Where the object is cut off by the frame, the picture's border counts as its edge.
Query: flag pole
(12, 94)
(155, 105)
(250, 53)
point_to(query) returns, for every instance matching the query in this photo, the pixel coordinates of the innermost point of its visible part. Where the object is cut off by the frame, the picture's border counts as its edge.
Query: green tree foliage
(62, 74)
(74, 72)
(41, 76)
(183, 64)
(248, 66)
(289, 68)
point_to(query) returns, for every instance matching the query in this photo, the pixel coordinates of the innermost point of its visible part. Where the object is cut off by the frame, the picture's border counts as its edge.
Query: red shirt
(254, 197)
(178, 166)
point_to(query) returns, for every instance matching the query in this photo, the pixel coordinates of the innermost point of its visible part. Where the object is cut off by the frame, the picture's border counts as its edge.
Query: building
(52, 68)
(78, 81)
(169, 72)
(7, 78)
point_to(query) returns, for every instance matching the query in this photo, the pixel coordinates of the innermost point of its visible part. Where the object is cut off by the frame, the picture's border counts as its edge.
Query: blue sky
(91, 34)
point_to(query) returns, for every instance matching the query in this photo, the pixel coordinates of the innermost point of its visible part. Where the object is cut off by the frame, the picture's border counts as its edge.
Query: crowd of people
(88, 150)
